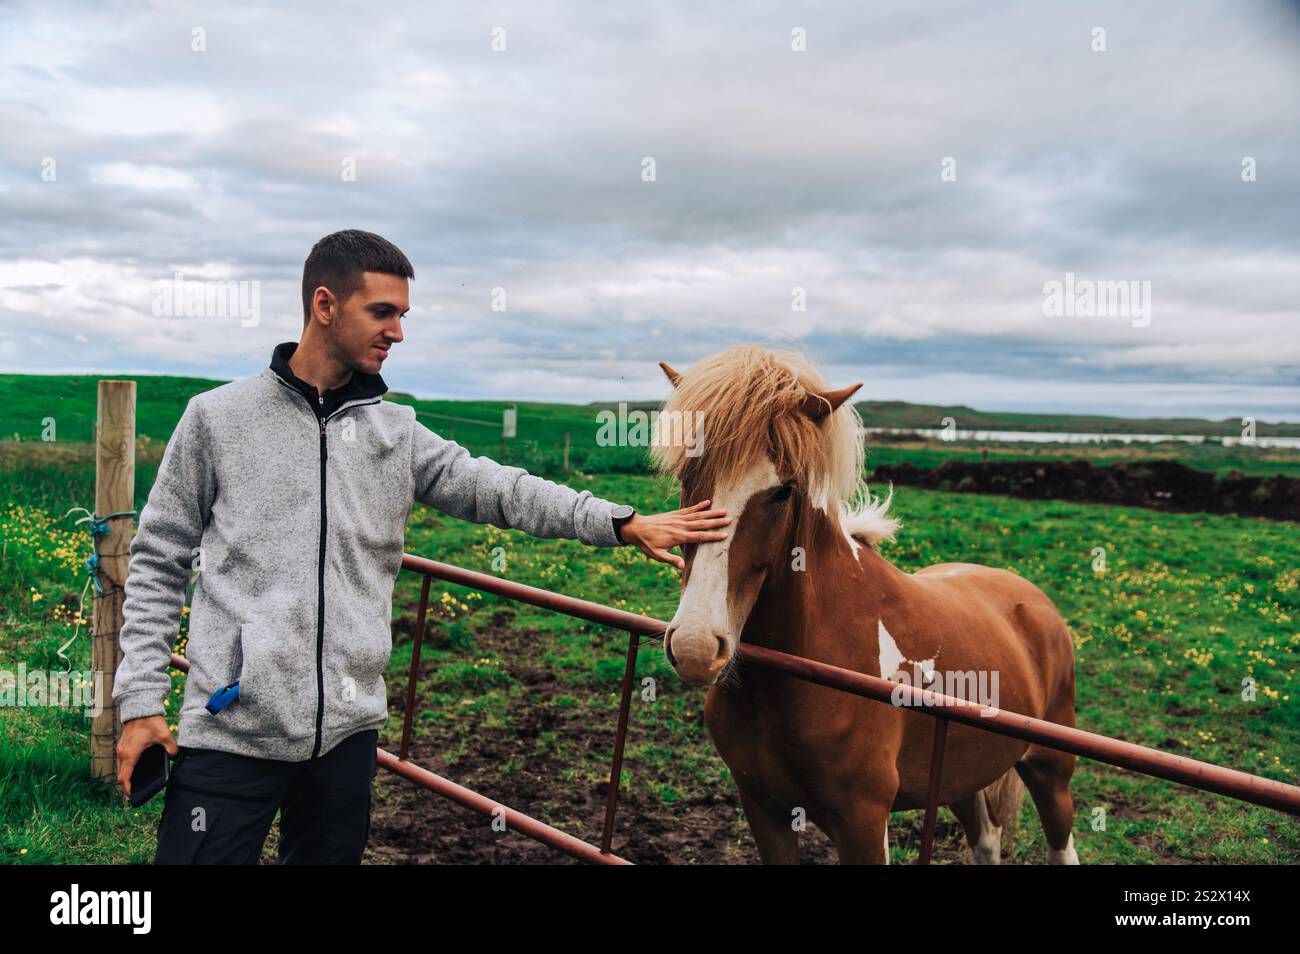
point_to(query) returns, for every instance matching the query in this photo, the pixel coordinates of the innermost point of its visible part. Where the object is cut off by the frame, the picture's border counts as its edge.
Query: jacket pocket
(362, 662)
(214, 663)
(271, 692)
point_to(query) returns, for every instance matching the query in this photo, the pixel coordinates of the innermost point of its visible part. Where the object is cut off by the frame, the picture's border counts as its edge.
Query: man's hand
(656, 533)
(138, 735)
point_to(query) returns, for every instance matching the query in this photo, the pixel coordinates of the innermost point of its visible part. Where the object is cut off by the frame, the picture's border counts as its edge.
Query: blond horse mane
(751, 398)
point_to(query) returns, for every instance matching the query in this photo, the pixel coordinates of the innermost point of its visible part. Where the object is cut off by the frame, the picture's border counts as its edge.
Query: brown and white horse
(799, 572)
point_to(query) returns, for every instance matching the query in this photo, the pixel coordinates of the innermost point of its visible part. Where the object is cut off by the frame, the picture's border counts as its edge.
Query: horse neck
(823, 610)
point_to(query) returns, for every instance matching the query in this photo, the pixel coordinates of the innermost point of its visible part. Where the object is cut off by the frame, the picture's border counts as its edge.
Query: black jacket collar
(360, 385)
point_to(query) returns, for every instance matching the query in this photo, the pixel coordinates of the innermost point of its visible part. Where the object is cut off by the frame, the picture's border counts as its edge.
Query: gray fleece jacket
(294, 516)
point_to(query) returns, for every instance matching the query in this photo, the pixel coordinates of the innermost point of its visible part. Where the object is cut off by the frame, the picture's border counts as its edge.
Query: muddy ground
(411, 825)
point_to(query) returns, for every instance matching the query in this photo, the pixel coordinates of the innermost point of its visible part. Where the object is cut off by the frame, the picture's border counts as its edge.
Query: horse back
(981, 613)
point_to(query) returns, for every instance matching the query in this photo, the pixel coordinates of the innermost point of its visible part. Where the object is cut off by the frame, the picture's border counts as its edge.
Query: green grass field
(1188, 607)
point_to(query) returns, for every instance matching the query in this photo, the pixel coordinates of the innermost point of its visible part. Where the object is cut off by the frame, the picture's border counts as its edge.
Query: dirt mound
(1159, 485)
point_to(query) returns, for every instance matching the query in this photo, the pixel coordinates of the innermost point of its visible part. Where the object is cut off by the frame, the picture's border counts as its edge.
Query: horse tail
(1003, 801)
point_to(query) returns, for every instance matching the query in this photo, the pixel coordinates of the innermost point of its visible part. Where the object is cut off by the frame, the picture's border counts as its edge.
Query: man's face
(370, 321)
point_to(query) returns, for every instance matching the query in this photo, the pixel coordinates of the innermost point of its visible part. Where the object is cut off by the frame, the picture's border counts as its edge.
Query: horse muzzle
(697, 657)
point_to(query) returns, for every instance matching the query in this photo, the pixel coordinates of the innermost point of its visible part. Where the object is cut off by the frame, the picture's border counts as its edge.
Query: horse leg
(982, 836)
(1046, 773)
(861, 835)
(778, 842)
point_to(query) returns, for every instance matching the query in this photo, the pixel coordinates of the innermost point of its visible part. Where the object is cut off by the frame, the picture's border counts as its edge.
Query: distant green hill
(27, 400)
(60, 474)
(903, 414)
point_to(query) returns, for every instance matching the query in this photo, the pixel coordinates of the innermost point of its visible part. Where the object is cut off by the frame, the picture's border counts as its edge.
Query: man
(289, 492)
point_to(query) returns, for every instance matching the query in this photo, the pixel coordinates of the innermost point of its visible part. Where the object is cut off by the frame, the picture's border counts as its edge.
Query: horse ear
(673, 377)
(819, 405)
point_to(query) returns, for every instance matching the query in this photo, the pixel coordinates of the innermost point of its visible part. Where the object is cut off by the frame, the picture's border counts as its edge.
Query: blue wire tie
(223, 697)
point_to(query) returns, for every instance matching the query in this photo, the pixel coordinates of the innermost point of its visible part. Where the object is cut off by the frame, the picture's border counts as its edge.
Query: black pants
(219, 806)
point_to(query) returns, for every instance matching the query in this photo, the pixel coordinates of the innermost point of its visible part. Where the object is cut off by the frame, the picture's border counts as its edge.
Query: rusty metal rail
(1205, 776)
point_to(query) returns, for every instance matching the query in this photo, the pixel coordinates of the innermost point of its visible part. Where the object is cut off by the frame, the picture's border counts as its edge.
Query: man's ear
(323, 300)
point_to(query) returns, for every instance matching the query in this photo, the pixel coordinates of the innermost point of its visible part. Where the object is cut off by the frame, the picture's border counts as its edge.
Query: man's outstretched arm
(481, 490)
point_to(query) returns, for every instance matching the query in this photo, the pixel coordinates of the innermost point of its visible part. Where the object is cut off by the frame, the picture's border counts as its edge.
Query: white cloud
(135, 176)
(888, 326)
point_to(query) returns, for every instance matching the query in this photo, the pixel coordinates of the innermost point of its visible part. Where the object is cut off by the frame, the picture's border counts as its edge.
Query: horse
(800, 571)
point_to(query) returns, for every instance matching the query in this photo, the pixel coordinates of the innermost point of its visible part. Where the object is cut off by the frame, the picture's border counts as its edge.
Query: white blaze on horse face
(706, 612)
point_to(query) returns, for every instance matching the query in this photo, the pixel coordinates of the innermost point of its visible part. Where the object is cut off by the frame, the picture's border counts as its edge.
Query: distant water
(1065, 437)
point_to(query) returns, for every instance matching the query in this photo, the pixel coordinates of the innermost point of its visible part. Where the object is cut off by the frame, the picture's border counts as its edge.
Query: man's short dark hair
(338, 260)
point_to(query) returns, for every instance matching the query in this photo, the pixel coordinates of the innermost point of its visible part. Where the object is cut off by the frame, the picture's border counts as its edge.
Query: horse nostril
(722, 648)
(668, 647)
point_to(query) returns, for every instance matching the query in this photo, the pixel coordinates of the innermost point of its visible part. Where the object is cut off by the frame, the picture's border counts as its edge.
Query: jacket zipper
(320, 561)
(320, 577)
(320, 593)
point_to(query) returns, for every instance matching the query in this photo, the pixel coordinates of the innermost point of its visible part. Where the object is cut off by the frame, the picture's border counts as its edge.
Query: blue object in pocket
(223, 697)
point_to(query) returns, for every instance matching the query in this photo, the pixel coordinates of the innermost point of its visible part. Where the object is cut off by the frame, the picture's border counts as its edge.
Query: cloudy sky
(920, 171)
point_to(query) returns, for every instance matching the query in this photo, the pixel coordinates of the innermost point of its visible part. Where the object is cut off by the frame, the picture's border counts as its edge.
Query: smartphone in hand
(150, 775)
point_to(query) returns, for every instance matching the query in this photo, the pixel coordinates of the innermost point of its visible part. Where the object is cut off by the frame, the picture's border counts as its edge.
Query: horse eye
(783, 492)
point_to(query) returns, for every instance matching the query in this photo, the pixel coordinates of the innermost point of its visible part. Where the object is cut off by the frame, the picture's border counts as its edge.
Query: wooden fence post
(114, 492)
(566, 452)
